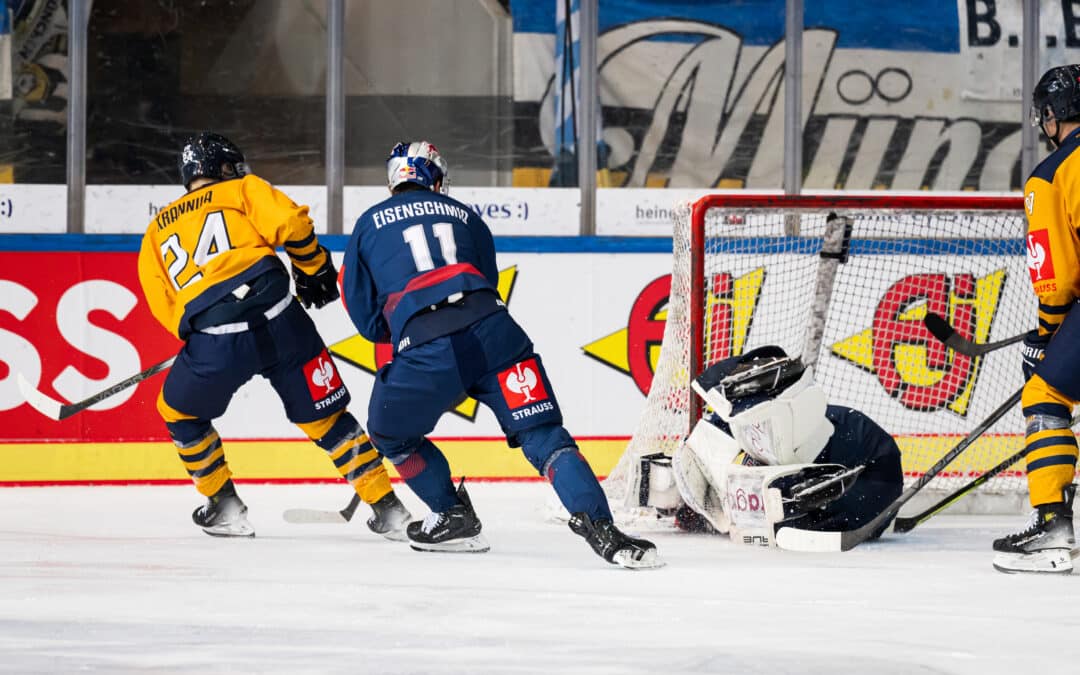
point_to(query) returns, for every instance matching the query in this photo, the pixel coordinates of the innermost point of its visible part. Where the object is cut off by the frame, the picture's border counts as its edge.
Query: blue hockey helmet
(417, 162)
(210, 155)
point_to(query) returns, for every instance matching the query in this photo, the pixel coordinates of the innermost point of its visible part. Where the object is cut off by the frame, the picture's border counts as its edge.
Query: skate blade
(397, 529)
(1051, 561)
(649, 560)
(241, 528)
(477, 544)
(394, 535)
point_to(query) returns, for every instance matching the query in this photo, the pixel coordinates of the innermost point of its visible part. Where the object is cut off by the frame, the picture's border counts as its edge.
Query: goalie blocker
(772, 452)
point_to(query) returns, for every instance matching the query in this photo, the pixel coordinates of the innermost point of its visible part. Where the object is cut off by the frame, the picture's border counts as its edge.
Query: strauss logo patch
(1040, 264)
(521, 384)
(322, 377)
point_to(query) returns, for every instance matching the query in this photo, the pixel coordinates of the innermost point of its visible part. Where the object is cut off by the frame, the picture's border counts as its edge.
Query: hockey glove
(814, 487)
(1033, 352)
(319, 289)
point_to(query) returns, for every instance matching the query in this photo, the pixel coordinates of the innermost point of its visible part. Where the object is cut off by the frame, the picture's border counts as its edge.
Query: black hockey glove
(814, 487)
(1033, 351)
(319, 289)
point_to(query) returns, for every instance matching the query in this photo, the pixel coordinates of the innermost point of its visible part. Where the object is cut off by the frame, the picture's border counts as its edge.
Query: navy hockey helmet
(210, 155)
(1056, 96)
(757, 375)
(417, 162)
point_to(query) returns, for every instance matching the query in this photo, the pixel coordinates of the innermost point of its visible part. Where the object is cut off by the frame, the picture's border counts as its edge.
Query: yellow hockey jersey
(212, 240)
(1052, 206)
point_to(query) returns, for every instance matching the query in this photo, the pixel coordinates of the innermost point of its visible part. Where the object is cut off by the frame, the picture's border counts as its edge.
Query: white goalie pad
(700, 466)
(761, 497)
(747, 502)
(753, 507)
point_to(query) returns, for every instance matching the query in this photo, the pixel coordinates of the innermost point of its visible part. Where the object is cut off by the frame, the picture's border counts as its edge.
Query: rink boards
(73, 321)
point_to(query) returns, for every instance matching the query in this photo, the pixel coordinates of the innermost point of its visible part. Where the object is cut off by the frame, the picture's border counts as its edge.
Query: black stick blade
(938, 327)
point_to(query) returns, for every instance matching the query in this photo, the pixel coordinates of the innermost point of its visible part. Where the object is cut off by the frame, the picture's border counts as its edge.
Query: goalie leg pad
(697, 489)
(699, 467)
(760, 498)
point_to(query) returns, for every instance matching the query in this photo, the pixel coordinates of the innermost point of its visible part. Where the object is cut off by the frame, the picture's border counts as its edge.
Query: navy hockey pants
(493, 361)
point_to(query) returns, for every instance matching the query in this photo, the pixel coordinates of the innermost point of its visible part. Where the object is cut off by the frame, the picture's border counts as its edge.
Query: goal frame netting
(671, 409)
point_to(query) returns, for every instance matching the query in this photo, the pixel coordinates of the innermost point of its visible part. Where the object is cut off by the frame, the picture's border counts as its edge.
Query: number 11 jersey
(412, 255)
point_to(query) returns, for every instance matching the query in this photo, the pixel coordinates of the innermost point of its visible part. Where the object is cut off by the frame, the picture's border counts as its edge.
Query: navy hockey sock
(427, 473)
(576, 484)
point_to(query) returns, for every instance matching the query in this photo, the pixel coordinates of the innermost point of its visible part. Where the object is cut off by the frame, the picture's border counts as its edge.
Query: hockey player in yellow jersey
(211, 275)
(1051, 353)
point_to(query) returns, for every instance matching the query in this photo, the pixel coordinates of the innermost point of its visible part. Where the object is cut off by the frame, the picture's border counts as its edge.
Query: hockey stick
(307, 516)
(796, 539)
(50, 407)
(941, 329)
(908, 523)
(834, 251)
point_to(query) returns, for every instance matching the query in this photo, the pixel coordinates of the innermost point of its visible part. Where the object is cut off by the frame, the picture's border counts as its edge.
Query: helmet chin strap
(1053, 139)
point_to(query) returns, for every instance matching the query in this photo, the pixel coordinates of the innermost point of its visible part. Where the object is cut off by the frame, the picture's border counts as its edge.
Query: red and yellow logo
(369, 356)
(912, 366)
(730, 303)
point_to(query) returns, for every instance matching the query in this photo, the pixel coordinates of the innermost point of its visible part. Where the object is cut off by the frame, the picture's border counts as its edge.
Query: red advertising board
(74, 323)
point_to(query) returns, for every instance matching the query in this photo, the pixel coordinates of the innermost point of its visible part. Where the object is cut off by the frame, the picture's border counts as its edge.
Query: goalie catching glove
(318, 289)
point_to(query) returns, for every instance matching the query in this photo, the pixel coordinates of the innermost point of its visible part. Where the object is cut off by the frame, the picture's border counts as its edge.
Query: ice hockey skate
(389, 518)
(613, 545)
(1045, 545)
(456, 530)
(224, 515)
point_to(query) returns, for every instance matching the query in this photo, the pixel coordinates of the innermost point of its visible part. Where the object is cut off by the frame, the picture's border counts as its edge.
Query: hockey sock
(199, 448)
(353, 455)
(427, 473)
(576, 484)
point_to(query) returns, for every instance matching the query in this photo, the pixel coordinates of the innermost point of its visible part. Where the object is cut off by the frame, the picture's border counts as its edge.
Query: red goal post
(749, 269)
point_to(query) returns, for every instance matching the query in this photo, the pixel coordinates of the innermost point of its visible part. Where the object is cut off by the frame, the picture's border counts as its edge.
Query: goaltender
(773, 451)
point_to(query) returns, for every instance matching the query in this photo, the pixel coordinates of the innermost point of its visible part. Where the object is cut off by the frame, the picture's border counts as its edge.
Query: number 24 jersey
(202, 246)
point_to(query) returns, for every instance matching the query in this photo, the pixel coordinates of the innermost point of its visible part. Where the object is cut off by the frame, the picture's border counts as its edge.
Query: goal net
(846, 282)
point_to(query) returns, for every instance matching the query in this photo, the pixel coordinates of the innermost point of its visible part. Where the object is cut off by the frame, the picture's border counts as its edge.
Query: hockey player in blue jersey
(834, 468)
(419, 271)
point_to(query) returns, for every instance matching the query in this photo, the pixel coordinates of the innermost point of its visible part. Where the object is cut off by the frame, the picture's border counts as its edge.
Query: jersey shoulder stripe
(1048, 168)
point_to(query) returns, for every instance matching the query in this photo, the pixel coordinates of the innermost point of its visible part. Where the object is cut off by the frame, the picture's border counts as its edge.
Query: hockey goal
(846, 282)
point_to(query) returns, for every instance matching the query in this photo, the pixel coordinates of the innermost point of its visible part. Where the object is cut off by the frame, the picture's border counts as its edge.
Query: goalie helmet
(210, 155)
(417, 162)
(770, 402)
(1056, 96)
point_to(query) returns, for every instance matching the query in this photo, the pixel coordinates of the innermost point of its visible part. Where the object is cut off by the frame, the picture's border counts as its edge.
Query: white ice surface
(117, 579)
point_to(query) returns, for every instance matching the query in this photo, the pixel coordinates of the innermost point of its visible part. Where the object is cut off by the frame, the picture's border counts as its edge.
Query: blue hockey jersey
(414, 254)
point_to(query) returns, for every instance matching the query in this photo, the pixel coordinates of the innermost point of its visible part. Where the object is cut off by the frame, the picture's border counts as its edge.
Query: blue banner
(914, 25)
